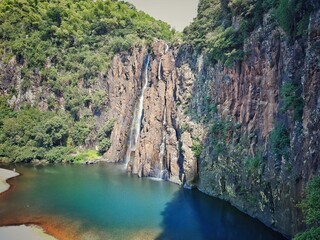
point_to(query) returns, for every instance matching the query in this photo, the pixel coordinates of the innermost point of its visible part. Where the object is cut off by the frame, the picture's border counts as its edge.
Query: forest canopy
(35, 30)
(63, 46)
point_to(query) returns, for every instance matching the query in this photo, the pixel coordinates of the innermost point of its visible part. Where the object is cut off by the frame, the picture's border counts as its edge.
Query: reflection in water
(104, 202)
(193, 215)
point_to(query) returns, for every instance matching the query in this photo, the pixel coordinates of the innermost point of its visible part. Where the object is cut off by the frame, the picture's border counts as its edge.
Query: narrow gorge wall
(158, 148)
(209, 126)
(240, 163)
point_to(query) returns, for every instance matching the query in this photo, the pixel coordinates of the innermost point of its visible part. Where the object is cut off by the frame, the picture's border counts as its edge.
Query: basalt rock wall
(242, 108)
(159, 145)
(211, 126)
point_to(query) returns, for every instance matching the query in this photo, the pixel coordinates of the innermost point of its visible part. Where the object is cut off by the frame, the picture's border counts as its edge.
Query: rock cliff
(247, 169)
(159, 146)
(227, 131)
(218, 128)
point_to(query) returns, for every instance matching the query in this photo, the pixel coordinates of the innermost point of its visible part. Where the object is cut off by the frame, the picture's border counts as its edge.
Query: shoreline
(13, 232)
(34, 232)
(4, 176)
(53, 228)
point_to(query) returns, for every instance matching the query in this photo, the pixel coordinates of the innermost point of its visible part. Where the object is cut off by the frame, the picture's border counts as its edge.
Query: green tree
(57, 154)
(280, 141)
(53, 133)
(104, 136)
(311, 204)
(292, 99)
(311, 209)
(285, 15)
(197, 149)
(81, 131)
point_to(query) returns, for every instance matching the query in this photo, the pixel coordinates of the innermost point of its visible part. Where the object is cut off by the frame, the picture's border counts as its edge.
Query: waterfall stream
(162, 173)
(167, 48)
(159, 69)
(137, 117)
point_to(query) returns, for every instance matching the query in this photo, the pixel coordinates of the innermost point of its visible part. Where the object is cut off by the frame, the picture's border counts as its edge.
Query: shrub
(28, 153)
(280, 141)
(104, 145)
(293, 16)
(99, 99)
(311, 204)
(220, 147)
(292, 99)
(86, 155)
(253, 163)
(302, 25)
(53, 133)
(8, 152)
(285, 15)
(57, 154)
(219, 129)
(197, 149)
(184, 127)
(5, 110)
(104, 136)
(311, 209)
(80, 132)
(106, 129)
(224, 45)
(311, 234)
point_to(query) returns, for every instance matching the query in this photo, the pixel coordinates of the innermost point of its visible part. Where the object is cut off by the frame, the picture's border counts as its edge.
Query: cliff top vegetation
(222, 26)
(63, 46)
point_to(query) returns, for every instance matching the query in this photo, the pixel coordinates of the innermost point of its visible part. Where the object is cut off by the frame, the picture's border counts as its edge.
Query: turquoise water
(104, 202)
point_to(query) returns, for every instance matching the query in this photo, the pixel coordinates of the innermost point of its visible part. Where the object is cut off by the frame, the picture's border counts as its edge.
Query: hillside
(54, 55)
(233, 110)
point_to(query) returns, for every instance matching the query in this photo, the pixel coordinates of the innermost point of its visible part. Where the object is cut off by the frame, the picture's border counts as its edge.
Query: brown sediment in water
(145, 234)
(11, 182)
(24, 232)
(12, 186)
(51, 225)
(5, 175)
(57, 227)
(63, 229)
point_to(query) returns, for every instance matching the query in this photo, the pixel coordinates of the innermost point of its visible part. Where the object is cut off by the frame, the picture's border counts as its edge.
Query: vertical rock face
(311, 96)
(157, 111)
(239, 162)
(239, 167)
(209, 126)
(11, 80)
(124, 83)
(159, 146)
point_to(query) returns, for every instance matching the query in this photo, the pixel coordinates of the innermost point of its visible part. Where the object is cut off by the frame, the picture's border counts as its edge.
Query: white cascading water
(137, 117)
(159, 69)
(161, 172)
(167, 48)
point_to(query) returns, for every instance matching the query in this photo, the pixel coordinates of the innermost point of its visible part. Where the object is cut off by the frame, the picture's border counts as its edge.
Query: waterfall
(167, 48)
(164, 122)
(159, 69)
(162, 172)
(137, 117)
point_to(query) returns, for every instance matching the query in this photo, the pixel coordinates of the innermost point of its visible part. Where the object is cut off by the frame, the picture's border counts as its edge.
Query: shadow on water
(194, 215)
(105, 200)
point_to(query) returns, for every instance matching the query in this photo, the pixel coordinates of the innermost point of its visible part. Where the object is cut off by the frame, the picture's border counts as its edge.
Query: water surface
(104, 202)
